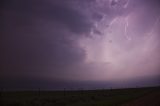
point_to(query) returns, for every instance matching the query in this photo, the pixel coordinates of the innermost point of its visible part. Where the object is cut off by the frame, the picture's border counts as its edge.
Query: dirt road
(152, 99)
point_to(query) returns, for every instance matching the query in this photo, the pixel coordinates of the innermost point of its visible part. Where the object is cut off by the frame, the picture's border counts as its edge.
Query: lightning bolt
(114, 20)
(125, 28)
(126, 5)
(155, 24)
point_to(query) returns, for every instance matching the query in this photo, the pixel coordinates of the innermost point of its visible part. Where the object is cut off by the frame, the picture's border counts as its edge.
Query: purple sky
(57, 43)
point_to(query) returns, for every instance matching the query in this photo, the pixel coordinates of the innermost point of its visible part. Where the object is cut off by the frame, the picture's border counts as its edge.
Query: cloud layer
(80, 40)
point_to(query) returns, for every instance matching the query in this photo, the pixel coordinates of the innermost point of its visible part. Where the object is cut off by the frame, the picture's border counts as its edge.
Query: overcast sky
(60, 43)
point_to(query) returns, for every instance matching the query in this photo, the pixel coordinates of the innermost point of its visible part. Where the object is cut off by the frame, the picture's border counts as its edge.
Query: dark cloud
(59, 11)
(40, 38)
(41, 33)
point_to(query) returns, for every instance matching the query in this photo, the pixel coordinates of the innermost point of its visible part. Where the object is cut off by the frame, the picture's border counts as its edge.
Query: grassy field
(114, 97)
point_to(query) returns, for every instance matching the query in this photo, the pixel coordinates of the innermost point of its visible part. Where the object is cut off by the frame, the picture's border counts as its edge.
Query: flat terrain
(113, 97)
(152, 99)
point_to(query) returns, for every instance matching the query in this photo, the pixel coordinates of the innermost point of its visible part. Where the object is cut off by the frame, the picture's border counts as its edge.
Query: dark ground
(114, 97)
(152, 99)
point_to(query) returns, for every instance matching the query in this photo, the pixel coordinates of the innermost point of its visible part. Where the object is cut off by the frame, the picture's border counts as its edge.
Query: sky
(56, 44)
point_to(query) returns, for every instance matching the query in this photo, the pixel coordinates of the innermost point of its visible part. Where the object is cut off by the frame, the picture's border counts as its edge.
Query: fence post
(82, 92)
(1, 97)
(64, 92)
(39, 92)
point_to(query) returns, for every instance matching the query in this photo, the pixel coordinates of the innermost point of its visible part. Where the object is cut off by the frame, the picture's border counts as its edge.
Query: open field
(112, 97)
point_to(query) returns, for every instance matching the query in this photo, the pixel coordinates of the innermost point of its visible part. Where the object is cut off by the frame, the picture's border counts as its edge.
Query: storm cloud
(79, 40)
